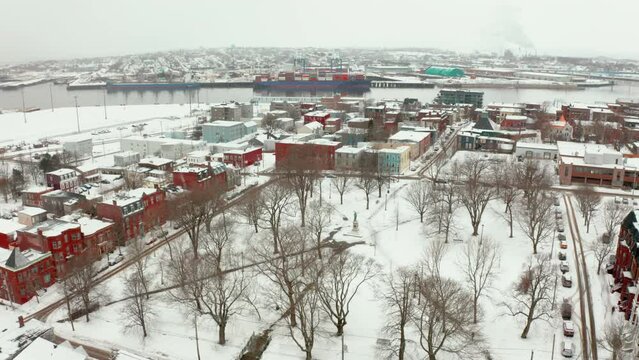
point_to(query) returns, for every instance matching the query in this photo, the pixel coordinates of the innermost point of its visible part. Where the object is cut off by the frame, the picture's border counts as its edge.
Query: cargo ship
(151, 86)
(327, 81)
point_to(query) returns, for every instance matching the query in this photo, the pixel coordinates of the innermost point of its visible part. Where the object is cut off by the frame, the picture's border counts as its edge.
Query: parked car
(569, 329)
(558, 215)
(116, 259)
(560, 228)
(413, 168)
(150, 240)
(436, 148)
(566, 280)
(562, 255)
(563, 244)
(625, 201)
(561, 237)
(566, 309)
(617, 200)
(567, 348)
(557, 202)
(563, 266)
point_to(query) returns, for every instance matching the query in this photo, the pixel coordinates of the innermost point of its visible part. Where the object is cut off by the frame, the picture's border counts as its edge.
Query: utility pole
(24, 111)
(552, 353)
(197, 340)
(77, 114)
(51, 95)
(104, 99)
(532, 354)
(342, 345)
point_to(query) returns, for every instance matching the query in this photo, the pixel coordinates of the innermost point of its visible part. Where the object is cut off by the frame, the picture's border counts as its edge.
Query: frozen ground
(62, 122)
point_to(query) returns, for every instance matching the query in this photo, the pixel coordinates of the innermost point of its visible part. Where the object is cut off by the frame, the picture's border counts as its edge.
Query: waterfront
(39, 96)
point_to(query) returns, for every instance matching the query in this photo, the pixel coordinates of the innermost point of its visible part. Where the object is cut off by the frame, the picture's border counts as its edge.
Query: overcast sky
(39, 29)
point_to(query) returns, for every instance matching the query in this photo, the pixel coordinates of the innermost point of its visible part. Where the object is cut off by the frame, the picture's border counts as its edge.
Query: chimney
(115, 203)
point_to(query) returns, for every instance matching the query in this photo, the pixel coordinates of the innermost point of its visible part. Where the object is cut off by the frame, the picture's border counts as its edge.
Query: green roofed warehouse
(444, 71)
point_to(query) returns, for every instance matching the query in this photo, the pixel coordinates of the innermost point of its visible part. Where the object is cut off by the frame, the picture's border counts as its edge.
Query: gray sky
(37, 29)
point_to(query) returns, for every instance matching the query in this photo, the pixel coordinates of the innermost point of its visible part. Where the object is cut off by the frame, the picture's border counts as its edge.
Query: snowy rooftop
(87, 167)
(9, 226)
(568, 148)
(318, 113)
(314, 125)
(349, 150)
(15, 259)
(51, 227)
(157, 161)
(405, 135)
(240, 151)
(37, 189)
(127, 153)
(198, 153)
(397, 150)
(42, 349)
(224, 123)
(360, 120)
(526, 145)
(324, 142)
(516, 117)
(126, 198)
(61, 172)
(32, 211)
(88, 226)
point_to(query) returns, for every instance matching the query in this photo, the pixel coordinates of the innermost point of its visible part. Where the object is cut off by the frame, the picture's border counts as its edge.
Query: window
(47, 278)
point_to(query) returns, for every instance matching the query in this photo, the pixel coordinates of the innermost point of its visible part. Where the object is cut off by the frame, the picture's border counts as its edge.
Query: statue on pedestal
(355, 224)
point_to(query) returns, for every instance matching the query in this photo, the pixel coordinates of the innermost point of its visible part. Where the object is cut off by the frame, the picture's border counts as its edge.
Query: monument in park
(355, 224)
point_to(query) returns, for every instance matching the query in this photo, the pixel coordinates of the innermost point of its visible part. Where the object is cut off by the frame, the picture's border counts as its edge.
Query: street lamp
(77, 114)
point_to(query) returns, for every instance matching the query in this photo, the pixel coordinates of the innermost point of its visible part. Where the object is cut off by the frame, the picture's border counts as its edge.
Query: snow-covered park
(389, 234)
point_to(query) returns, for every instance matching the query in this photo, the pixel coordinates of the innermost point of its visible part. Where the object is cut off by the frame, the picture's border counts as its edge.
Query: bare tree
(5, 188)
(532, 177)
(367, 177)
(344, 274)
(509, 191)
(219, 242)
(319, 220)
(399, 308)
(250, 209)
(139, 267)
(222, 296)
(475, 193)
(191, 212)
(81, 274)
(138, 309)
(613, 215)
(616, 336)
(601, 250)
(342, 184)
(532, 293)
(275, 203)
(479, 263)
(443, 321)
(301, 171)
(536, 220)
(309, 315)
(588, 201)
(442, 208)
(417, 195)
(367, 184)
(285, 271)
(186, 271)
